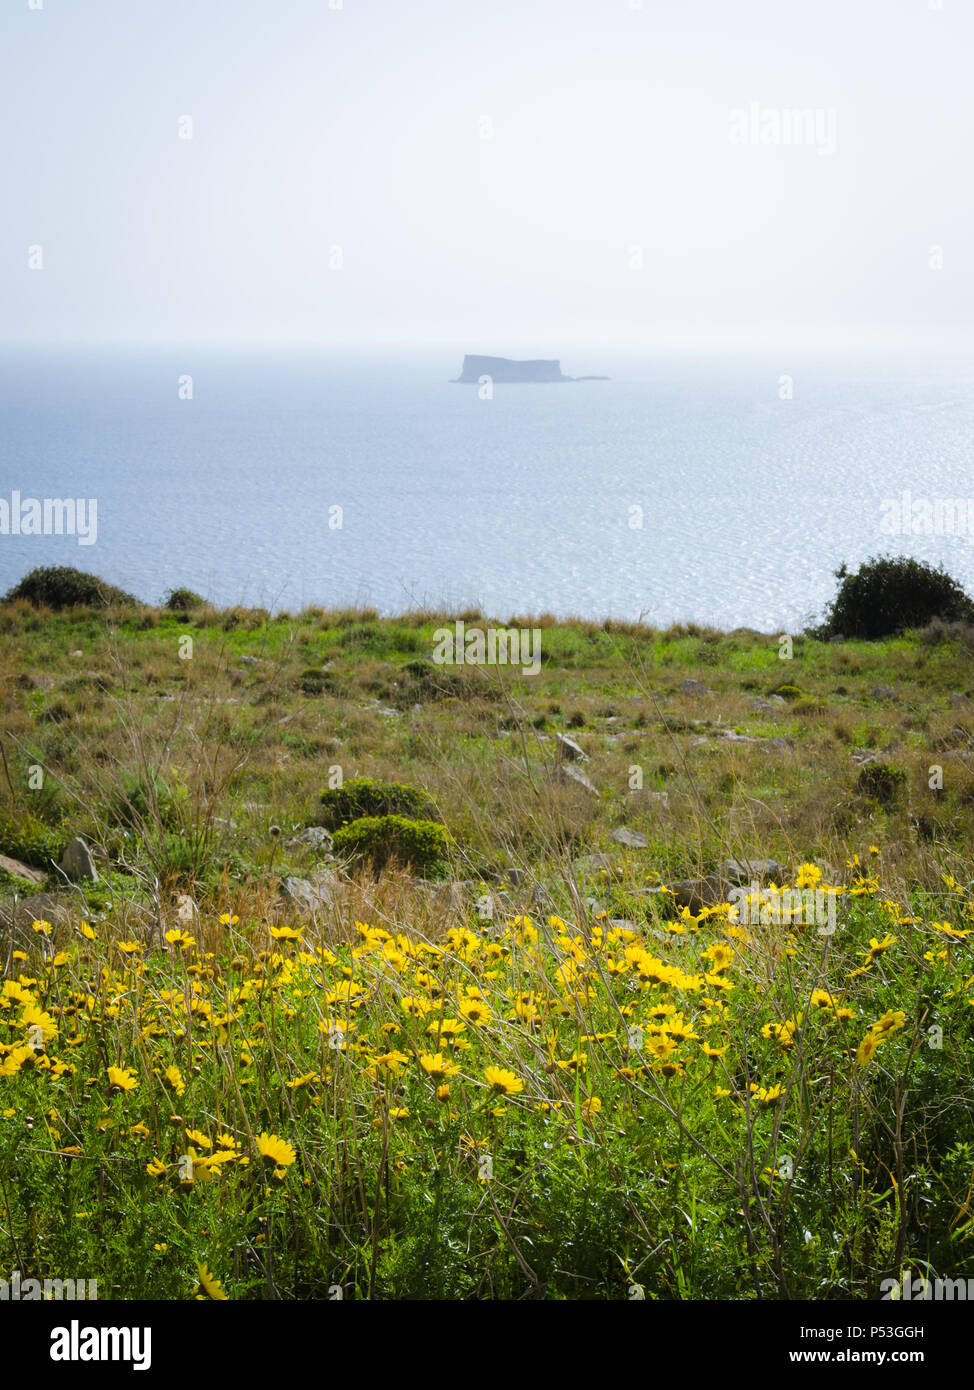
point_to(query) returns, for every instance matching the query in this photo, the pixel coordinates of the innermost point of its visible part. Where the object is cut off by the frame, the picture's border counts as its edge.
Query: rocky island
(505, 369)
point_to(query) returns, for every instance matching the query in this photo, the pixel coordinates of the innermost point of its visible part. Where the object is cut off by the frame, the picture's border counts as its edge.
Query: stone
(16, 869)
(592, 864)
(742, 871)
(631, 839)
(695, 688)
(314, 837)
(696, 893)
(783, 744)
(568, 749)
(759, 706)
(958, 697)
(567, 772)
(882, 692)
(310, 895)
(77, 863)
(16, 918)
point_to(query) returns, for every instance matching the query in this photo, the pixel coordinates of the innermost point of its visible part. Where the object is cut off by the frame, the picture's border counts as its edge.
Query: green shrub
(890, 594)
(382, 840)
(367, 796)
(183, 600)
(140, 801)
(31, 841)
(60, 586)
(881, 782)
(314, 681)
(788, 692)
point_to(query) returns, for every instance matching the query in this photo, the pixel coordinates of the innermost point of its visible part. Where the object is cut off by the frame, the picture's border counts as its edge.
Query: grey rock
(958, 697)
(592, 864)
(249, 660)
(882, 692)
(77, 863)
(783, 743)
(310, 895)
(631, 839)
(741, 871)
(695, 688)
(312, 837)
(568, 749)
(733, 737)
(759, 706)
(19, 870)
(696, 893)
(16, 918)
(567, 772)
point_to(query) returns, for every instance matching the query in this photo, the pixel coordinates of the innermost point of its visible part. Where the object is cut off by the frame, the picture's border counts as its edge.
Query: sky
(519, 176)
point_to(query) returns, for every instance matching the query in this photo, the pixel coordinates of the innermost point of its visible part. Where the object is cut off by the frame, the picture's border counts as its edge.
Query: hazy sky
(493, 173)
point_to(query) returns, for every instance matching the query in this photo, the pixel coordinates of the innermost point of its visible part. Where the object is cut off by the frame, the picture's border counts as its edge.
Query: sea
(722, 489)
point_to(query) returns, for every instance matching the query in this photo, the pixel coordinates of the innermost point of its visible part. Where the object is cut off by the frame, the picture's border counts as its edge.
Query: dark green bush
(881, 782)
(788, 692)
(367, 796)
(183, 600)
(893, 593)
(28, 839)
(140, 802)
(380, 840)
(59, 586)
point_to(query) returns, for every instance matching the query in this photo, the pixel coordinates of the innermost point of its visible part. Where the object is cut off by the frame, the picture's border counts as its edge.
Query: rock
(958, 697)
(695, 688)
(568, 749)
(696, 893)
(505, 369)
(783, 743)
(591, 864)
(742, 871)
(16, 918)
(18, 870)
(249, 660)
(630, 838)
(733, 737)
(759, 706)
(882, 692)
(312, 837)
(77, 863)
(310, 895)
(76, 654)
(567, 772)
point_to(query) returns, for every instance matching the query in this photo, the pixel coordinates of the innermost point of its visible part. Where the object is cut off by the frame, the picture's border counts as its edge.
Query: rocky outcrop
(505, 369)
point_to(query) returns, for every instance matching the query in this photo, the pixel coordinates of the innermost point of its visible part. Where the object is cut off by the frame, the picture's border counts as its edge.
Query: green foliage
(892, 593)
(367, 796)
(139, 801)
(25, 837)
(183, 600)
(380, 840)
(787, 692)
(60, 586)
(881, 781)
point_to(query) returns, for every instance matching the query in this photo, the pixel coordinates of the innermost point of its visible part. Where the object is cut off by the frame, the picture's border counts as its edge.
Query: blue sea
(687, 487)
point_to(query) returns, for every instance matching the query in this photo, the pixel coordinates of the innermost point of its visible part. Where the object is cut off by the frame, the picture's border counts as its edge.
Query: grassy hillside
(526, 1071)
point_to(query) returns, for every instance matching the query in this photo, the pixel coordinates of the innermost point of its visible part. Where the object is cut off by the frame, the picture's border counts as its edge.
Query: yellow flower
(436, 1066)
(808, 876)
(129, 947)
(868, 1048)
(767, 1095)
(227, 919)
(198, 1137)
(474, 1010)
(591, 1106)
(176, 937)
(122, 1078)
(41, 926)
(876, 948)
(275, 1151)
(155, 1169)
(210, 1285)
(175, 1081)
(505, 1082)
